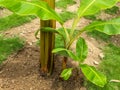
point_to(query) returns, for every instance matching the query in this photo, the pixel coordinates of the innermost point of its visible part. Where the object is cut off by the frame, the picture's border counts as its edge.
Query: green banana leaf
(66, 52)
(110, 27)
(93, 75)
(66, 73)
(81, 49)
(89, 7)
(38, 8)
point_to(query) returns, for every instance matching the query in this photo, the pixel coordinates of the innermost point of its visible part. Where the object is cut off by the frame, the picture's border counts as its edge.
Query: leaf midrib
(86, 8)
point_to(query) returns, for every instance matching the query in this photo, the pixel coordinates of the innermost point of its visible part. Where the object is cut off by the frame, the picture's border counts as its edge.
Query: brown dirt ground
(21, 71)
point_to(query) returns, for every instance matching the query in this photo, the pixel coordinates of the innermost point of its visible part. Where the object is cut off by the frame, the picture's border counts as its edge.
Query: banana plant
(110, 27)
(87, 7)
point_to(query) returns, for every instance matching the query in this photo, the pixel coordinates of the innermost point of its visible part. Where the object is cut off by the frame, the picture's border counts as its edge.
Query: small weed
(112, 10)
(63, 3)
(66, 15)
(1, 8)
(8, 46)
(99, 35)
(90, 17)
(14, 21)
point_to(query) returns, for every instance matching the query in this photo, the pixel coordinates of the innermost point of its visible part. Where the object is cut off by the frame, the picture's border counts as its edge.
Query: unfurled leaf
(110, 27)
(67, 53)
(66, 73)
(38, 8)
(90, 7)
(93, 75)
(81, 49)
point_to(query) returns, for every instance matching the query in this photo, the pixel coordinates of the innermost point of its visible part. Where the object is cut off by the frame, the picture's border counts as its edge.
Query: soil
(4, 13)
(116, 40)
(21, 71)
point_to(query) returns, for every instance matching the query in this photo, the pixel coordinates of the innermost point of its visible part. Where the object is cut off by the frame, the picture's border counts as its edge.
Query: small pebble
(31, 88)
(83, 88)
(30, 43)
(29, 31)
(101, 55)
(95, 62)
(13, 81)
(22, 34)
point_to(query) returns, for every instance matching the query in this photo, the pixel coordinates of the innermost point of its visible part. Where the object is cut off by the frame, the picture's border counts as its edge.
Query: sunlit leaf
(66, 73)
(93, 75)
(38, 8)
(81, 49)
(110, 27)
(89, 7)
(68, 52)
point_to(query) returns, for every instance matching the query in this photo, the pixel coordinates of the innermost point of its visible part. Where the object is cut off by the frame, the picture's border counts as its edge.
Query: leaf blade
(110, 27)
(40, 9)
(81, 49)
(93, 75)
(89, 7)
(69, 53)
(66, 73)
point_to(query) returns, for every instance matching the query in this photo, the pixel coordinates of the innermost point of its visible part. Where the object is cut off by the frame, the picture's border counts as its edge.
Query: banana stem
(64, 63)
(73, 39)
(67, 35)
(75, 22)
